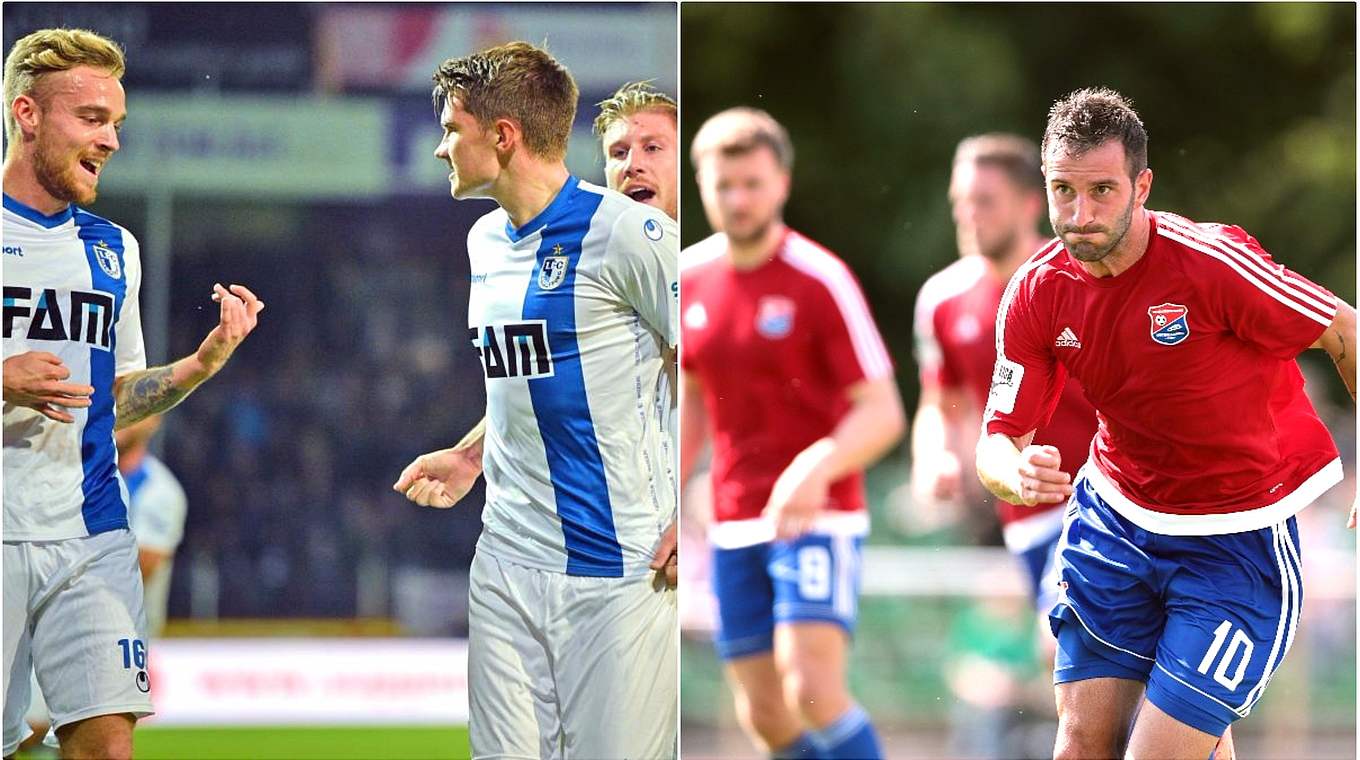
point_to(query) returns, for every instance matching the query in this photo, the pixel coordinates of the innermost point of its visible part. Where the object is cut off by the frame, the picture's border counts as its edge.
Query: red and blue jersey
(1189, 358)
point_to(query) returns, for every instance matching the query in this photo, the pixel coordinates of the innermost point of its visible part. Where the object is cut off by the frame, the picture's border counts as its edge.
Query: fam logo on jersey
(108, 259)
(652, 229)
(77, 315)
(1169, 323)
(514, 349)
(774, 316)
(554, 271)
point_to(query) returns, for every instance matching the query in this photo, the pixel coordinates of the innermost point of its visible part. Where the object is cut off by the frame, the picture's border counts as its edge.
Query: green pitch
(302, 743)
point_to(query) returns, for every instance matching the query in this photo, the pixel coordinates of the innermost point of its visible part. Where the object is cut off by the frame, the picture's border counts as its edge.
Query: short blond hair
(48, 51)
(631, 98)
(516, 81)
(742, 130)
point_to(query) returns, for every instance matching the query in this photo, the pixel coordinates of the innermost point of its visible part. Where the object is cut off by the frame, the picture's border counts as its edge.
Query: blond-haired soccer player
(784, 365)
(572, 643)
(637, 130)
(74, 370)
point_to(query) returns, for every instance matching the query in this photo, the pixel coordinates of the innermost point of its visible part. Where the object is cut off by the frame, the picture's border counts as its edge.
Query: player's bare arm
(935, 456)
(442, 478)
(35, 379)
(1338, 340)
(1018, 472)
(873, 425)
(138, 395)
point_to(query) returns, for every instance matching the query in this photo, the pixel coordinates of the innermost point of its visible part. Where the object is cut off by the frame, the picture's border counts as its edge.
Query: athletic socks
(803, 748)
(849, 737)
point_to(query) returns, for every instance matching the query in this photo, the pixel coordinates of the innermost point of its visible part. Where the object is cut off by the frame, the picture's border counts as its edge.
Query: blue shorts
(1041, 572)
(813, 577)
(1204, 621)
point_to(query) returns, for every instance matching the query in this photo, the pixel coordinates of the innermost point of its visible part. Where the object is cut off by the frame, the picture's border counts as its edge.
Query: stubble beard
(1090, 253)
(56, 177)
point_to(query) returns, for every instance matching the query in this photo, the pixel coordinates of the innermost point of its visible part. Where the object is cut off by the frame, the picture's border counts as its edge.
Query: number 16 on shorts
(134, 656)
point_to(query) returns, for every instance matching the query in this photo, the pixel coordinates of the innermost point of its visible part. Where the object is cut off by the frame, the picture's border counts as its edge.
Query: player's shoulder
(703, 255)
(956, 279)
(1206, 244)
(628, 220)
(817, 265)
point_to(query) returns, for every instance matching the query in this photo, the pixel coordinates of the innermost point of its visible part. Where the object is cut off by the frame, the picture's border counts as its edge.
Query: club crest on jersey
(774, 317)
(1169, 323)
(554, 271)
(108, 259)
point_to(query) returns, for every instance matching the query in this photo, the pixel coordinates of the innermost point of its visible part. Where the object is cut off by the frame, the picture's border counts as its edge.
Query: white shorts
(572, 667)
(73, 614)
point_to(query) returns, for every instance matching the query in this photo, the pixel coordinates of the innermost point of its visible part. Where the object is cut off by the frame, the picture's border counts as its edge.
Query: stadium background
(1251, 114)
(289, 147)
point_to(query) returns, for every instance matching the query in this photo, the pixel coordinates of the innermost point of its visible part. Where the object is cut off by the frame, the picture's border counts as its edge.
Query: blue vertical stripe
(560, 404)
(103, 509)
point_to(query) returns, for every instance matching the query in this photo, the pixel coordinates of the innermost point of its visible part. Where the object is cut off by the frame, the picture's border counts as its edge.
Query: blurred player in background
(157, 508)
(637, 131)
(785, 369)
(1181, 584)
(74, 370)
(572, 642)
(997, 195)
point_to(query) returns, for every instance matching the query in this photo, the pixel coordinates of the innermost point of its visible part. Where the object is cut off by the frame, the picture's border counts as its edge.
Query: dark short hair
(513, 81)
(1091, 117)
(1017, 156)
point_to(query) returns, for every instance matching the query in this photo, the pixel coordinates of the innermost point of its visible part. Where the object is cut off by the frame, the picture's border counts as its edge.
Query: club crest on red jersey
(1170, 323)
(774, 316)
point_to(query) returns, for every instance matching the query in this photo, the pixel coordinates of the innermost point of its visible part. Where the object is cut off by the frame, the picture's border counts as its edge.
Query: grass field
(301, 743)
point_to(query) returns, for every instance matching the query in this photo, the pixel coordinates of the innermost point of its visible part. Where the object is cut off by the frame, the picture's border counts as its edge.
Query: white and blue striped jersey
(572, 314)
(70, 289)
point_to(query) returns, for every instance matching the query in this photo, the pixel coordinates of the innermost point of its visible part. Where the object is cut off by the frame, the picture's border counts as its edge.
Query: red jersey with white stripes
(955, 327)
(1189, 357)
(775, 349)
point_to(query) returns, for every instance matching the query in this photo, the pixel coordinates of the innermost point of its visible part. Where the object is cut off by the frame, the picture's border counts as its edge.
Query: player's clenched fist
(1041, 480)
(34, 379)
(441, 478)
(239, 311)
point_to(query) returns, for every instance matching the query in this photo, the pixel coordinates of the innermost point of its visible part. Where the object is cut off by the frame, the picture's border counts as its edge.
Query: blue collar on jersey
(34, 215)
(554, 209)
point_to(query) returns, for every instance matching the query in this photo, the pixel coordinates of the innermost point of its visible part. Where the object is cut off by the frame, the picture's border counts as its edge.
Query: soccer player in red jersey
(784, 368)
(1179, 559)
(997, 195)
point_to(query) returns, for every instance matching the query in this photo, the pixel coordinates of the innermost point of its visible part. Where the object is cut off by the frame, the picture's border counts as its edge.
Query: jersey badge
(652, 229)
(1169, 323)
(108, 259)
(696, 316)
(774, 317)
(554, 271)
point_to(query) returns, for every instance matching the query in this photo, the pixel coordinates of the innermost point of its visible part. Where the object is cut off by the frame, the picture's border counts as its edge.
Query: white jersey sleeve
(130, 352)
(159, 508)
(641, 263)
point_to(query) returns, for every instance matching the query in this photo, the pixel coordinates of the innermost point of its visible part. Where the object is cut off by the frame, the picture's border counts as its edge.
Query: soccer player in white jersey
(637, 130)
(74, 370)
(572, 642)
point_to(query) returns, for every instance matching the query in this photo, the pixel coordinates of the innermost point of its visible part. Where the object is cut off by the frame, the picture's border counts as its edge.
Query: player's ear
(27, 113)
(508, 134)
(1142, 186)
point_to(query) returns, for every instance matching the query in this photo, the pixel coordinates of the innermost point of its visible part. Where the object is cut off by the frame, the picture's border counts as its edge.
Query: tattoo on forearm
(145, 393)
(1341, 357)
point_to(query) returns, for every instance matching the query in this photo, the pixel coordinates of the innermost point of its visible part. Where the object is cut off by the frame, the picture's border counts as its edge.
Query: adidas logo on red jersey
(1067, 339)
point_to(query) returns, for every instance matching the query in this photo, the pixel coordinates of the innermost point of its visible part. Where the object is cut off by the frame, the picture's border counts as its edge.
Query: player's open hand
(937, 478)
(35, 379)
(796, 499)
(441, 478)
(666, 557)
(1041, 480)
(239, 311)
